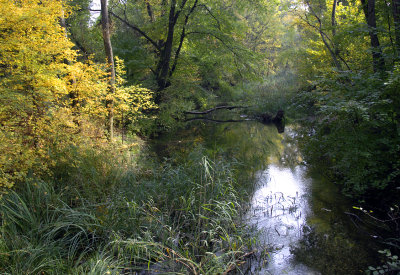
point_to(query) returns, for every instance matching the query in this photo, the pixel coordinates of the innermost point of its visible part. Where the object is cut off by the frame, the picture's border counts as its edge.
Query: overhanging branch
(215, 36)
(183, 35)
(214, 109)
(212, 15)
(137, 29)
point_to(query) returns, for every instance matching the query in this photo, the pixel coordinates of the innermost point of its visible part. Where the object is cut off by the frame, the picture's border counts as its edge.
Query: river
(299, 219)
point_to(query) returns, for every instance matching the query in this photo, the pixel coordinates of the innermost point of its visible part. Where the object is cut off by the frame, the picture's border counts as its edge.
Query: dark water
(299, 219)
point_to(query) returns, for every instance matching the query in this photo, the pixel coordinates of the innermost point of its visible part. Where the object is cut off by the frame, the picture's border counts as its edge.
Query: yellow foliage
(129, 101)
(46, 96)
(48, 100)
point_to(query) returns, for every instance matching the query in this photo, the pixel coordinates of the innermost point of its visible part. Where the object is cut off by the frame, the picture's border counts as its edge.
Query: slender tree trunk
(105, 23)
(335, 47)
(150, 11)
(377, 56)
(396, 19)
(334, 18)
(392, 43)
(183, 35)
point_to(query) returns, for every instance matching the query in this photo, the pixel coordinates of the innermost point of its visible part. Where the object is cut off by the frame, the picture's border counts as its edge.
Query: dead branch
(213, 109)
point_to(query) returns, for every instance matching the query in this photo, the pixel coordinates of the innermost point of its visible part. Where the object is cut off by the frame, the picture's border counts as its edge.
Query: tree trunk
(396, 19)
(335, 47)
(166, 53)
(377, 56)
(105, 24)
(334, 18)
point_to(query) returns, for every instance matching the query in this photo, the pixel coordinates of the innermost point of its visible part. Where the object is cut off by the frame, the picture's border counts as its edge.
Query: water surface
(299, 219)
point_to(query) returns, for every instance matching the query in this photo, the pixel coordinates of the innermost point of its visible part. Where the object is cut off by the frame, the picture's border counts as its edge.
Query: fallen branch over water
(214, 109)
(265, 118)
(218, 120)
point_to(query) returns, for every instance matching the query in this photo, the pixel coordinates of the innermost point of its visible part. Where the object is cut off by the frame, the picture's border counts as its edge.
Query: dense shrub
(354, 132)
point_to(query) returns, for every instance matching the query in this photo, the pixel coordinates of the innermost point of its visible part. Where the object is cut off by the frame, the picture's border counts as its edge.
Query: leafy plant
(391, 265)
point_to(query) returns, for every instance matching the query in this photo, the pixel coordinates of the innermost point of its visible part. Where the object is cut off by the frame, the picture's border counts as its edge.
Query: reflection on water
(279, 210)
(295, 217)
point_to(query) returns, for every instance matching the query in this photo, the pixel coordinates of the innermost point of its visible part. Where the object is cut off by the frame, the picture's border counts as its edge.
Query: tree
(396, 19)
(173, 31)
(38, 72)
(370, 16)
(164, 46)
(328, 40)
(110, 64)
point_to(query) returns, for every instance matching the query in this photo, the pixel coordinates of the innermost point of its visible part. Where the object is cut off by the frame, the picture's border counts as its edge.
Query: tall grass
(174, 218)
(40, 233)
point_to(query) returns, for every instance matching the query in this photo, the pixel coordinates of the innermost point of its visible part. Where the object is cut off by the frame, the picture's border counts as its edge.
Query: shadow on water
(299, 219)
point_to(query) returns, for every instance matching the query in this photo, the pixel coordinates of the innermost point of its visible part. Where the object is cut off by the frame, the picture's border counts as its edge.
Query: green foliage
(391, 265)
(41, 233)
(103, 218)
(274, 93)
(186, 210)
(355, 133)
(85, 34)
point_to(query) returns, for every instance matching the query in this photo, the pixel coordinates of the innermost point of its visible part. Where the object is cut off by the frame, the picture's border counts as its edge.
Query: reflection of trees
(290, 156)
(250, 143)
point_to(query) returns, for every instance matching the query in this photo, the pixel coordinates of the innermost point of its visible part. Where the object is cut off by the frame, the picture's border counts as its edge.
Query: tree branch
(324, 37)
(183, 35)
(176, 16)
(137, 29)
(215, 36)
(214, 109)
(217, 120)
(212, 15)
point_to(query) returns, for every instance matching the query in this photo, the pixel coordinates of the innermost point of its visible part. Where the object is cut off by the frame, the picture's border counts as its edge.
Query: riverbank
(195, 201)
(301, 222)
(179, 216)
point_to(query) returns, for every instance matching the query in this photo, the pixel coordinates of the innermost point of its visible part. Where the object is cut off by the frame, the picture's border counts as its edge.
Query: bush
(354, 133)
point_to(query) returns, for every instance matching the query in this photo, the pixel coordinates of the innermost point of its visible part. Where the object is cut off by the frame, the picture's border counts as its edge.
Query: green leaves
(355, 134)
(392, 264)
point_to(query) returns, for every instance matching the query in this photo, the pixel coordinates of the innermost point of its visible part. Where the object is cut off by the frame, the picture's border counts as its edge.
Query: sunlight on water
(279, 211)
(291, 211)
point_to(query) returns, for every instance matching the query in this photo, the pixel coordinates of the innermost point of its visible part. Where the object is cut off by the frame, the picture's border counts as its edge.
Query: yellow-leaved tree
(130, 101)
(45, 93)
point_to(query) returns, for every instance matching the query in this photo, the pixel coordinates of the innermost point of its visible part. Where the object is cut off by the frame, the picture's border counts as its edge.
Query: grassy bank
(107, 213)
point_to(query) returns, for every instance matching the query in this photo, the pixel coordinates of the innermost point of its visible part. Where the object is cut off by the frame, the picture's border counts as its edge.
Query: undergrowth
(351, 134)
(101, 217)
